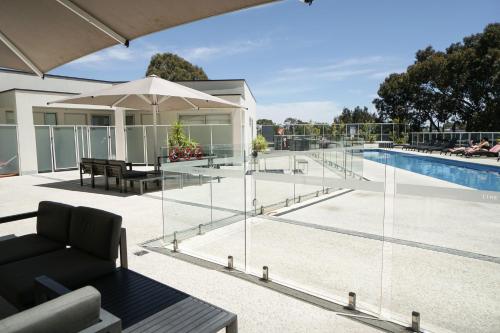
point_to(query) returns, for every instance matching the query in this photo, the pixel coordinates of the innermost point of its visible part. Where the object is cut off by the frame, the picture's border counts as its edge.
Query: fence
(369, 132)
(462, 138)
(8, 150)
(60, 147)
(214, 140)
(400, 240)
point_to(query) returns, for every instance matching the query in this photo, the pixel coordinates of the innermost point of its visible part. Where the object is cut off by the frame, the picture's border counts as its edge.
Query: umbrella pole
(155, 139)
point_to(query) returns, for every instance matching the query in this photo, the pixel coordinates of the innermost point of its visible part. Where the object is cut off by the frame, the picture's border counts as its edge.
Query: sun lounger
(493, 152)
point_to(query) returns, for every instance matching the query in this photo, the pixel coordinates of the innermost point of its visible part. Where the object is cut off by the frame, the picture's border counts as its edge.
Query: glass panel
(8, 151)
(135, 144)
(64, 147)
(50, 118)
(201, 134)
(112, 133)
(81, 132)
(218, 118)
(192, 119)
(222, 139)
(43, 152)
(99, 142)
(445, 243)
(161, 142)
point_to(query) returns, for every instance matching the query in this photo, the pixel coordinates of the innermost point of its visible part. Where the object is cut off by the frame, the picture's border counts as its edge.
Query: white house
(55, 137)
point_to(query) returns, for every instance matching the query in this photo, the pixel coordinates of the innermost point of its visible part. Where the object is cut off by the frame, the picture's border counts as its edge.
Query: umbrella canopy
(152, 91)
(39, 35)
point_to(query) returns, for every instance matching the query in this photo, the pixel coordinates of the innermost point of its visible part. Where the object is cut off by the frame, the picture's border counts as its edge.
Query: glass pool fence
(328, 222)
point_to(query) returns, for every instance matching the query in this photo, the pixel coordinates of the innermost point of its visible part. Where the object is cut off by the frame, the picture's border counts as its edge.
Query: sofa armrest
(17, 217)
(47, 289)
(77, 311)
(123, 248)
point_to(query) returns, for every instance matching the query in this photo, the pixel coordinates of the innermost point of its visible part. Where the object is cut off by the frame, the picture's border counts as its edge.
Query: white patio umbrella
(39, 35)
(151, 93)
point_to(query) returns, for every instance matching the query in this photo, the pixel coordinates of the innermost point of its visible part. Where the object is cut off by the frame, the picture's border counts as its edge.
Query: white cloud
(384, 74)
(117, 55)
(318, 111)
(205, 53)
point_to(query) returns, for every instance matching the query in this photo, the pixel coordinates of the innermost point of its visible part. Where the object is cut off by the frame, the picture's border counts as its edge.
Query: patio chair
(492, 152)
(142, 304)
(93, 238)
(123, 172)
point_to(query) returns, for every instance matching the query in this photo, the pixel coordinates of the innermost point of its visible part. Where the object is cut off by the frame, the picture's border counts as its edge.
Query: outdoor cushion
(133, 174)
(495, 149)
(6, 309)
(70, 267)
(95, 231)
(53, 220)
(26, 246)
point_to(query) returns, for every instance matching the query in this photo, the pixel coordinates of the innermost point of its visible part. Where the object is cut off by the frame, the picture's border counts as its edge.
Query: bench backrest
(116, 168)
(99, 166)
(86, 164)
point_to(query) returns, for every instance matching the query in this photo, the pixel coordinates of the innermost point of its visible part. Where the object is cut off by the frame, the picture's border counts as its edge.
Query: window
(205, 119)
(50, 119)
(101, 121)
(10, 117)
(129, 120)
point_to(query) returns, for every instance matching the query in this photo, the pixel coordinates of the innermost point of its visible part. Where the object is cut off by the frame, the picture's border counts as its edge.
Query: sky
(306, 62)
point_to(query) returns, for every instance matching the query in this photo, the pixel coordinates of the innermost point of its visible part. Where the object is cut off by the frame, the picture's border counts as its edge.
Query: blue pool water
(478, 176)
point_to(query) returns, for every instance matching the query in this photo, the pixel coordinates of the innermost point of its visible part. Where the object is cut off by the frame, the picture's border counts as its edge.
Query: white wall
(32, 93)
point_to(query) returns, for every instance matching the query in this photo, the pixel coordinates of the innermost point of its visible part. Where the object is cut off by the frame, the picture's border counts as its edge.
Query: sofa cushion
(6, 309)
(95, 231)
(26, 246)
(70, 267)
(53, 220)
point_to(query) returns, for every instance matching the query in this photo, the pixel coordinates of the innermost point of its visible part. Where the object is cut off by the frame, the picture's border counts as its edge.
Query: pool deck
(259, 309)
(330, 246)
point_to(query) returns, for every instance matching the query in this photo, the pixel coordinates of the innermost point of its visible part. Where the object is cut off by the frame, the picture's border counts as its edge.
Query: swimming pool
(478, 176)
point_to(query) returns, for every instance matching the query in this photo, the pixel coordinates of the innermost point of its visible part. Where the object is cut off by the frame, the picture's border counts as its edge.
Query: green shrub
(259, 143)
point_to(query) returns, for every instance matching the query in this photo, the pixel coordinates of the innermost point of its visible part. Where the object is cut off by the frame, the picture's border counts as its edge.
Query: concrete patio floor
(441, 257)
(259, 309)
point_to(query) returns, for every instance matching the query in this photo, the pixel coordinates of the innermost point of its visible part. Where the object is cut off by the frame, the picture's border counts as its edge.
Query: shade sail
(152, 90)
(39, 35)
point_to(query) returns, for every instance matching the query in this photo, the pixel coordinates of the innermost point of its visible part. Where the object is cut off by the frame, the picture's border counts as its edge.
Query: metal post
(200, 232)
(415, 321)
(265, 273)
(175, 243)
(230, 263)
(352, 301)
(155, 132)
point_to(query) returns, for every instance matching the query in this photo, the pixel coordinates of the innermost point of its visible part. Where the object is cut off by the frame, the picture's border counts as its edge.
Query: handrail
(16, 217)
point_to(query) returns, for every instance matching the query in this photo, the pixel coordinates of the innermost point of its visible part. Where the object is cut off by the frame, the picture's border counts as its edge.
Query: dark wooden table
(145, 305)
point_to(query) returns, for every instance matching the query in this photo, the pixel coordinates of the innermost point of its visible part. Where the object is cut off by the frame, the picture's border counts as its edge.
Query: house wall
(27, 95)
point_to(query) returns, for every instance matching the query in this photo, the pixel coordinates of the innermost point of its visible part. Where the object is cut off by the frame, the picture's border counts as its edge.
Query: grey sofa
(72, 245)
(76, 311)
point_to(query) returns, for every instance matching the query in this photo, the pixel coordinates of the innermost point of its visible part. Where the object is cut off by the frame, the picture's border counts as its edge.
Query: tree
(265, 122)
(460, 86)
(171, 67)
(356, 115)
